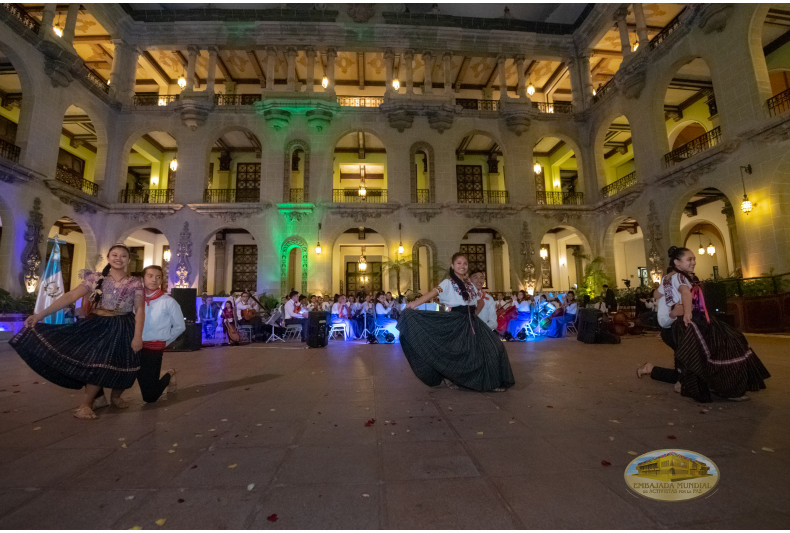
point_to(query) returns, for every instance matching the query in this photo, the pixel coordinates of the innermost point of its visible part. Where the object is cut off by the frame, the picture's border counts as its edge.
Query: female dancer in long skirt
(711, 357)
(99, 351)
(455, 347)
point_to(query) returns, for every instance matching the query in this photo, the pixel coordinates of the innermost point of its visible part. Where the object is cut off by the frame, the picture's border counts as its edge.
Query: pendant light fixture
(363, 263)
(400, 243)
(318, 241)
(746, 204)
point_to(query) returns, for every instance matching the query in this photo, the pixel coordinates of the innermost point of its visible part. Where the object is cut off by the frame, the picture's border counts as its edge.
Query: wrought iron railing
(603, 89)
(477, 105)
(161, 100)
(702, 143)
(629, 180)
(9, 151)
(496, 197)
(482, 197)
(75, 180)
(779, 104)
(147, 196)
(296, 196)
(97, 80)
(554, 107)
(372, 196)
(360, 101)
(559, 198)
(423, 196)
(20, 13)
(668, 30)
(236, 99)
(231, 196)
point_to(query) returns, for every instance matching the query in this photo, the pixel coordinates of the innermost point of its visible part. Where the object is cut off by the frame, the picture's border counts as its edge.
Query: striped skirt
(713, 357)
(457, 346)
(94, 351)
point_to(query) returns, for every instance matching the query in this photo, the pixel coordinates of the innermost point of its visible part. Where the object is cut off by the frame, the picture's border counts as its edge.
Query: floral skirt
(457, 346)
(94, 351)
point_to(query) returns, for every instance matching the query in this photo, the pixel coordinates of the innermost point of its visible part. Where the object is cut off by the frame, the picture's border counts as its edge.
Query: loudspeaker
(317, 329)
(187, 300)
(588, 324)
(715, 294)
(189, 341)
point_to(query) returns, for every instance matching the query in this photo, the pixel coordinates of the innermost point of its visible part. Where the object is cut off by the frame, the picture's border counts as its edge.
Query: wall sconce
(324, 82)
(530, 89)
(363, 264)
(166, 256)
(396, 84)
(562, 262)
(318, 241)
(362, 190)
(544, 252)
(174, 164)
(400, 243)
(537, 168)
(746, 204)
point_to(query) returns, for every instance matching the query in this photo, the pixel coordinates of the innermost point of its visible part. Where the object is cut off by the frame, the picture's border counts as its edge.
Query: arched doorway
(234, 168)
(349, 249)
(77, 151)
(152, 169)
(488, 252)
(297, 173)
(556, 171)
(359, 170)
(148, 246)
(480, 170)
(708, 219)
(423, 186)
(630, 262)
(293, 265)
(231, 263)
(563, 254)
(619, 171)
(424, 267)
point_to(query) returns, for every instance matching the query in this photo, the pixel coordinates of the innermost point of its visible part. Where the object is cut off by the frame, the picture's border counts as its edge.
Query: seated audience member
(209, 315)
(341, 313)
(523, 306)
(383, 319)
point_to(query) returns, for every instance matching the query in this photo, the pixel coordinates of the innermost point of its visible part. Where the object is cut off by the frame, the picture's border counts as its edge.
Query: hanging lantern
(544, 252)
(537, 168)
(182, 82)
(363, 264)
(711, 249)
(174, 164)
(324, 82)
(396, 84)
(531, 89)
(746, 205)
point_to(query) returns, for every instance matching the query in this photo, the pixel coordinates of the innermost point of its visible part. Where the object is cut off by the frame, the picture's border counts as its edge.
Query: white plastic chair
(338, 328)
(292, 331)
(570, 329)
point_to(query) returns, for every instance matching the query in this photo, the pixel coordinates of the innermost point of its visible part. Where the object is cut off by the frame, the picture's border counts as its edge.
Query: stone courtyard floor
(274, 436)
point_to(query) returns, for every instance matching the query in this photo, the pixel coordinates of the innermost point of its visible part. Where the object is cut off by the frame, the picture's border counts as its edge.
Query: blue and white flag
(51, 286)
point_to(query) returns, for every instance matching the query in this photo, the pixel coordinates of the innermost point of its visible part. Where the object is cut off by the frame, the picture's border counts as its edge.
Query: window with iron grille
(469, 179)
(245, 267)
(476, 255)
(248, 182)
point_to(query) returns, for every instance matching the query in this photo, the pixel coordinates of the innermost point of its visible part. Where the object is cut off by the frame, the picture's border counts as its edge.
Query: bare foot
(118, 402)
(172, 386)
(678, 387)
(84, 413)
(644, 370)
(100, 402)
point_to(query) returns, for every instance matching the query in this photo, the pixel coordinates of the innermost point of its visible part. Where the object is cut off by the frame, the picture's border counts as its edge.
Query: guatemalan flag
(51, 286)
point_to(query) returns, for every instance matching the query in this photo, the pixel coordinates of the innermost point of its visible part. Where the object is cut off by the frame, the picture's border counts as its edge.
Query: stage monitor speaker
(187, 300)
(317, 329)
(189, 341)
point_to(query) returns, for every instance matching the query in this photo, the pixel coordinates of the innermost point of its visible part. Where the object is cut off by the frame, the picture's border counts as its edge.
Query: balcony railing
(231, 196)
(75, 180)
(147, 196)
(20, 13)
(9, 151)
(423, 196)
(487, 197)
(702, 143)
(477, 105)
(668, 30)
(372, 196)
(161, 100)
(603, 89)
(559, 198)
(554, 107)
(97, 80)
(360, 101)
(629, 180)
(296, 196)
(236, 100)
(779, 104)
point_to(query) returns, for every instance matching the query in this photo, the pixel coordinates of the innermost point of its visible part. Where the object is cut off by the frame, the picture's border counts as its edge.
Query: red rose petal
(370, 422)
(671, 437)
(272, 517)
(606, 463)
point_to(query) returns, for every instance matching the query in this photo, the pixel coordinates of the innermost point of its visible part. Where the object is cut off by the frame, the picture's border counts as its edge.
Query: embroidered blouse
(450, 293)
(121, 296)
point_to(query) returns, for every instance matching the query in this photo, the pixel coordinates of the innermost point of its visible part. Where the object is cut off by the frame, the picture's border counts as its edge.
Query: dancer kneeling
(99, 351)
(457, 346)
(164, 322)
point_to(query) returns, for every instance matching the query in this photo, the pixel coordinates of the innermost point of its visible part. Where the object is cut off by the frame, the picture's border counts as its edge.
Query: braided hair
(96, 296)
(456, 279)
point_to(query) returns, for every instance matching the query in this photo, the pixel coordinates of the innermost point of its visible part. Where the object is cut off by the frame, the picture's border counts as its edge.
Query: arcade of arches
(282, 165)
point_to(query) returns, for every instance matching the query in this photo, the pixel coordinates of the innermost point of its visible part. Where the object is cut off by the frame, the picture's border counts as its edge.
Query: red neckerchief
(297, 308)
(156, 294)
(342, 313)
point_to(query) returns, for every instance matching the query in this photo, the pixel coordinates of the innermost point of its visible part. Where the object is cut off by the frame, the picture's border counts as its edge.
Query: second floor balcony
(559, 198)
(296, 196)
(702, 143)
(371, 196)
(147, 196)
(422, 196)
(231, 196)
(627, 181)
(779, 104)
(482, 197)
(75, 180)
(9, 151)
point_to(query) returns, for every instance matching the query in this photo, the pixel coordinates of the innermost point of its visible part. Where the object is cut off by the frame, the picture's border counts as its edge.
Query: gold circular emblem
(671, 475)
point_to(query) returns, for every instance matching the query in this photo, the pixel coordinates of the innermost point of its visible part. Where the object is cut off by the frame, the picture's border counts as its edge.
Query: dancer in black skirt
(456, 347)
(99, 351)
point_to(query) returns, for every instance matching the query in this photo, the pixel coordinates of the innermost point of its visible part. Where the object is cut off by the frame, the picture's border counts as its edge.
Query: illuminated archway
(292, 247)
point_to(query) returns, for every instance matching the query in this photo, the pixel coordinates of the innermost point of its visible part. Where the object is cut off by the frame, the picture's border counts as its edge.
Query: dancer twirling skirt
(455, 346)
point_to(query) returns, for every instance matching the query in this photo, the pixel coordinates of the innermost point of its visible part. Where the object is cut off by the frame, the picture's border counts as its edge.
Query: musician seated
(341, 313)
(295, 313)
(228, 317)
(247, 310)
(559, 324)
(523, 306)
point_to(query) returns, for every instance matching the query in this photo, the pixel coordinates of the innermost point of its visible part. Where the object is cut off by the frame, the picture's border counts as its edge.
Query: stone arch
(294, 241)
(610, 254)
(754, 44)
(415, 262)
(289, 148)
(428, 149)
(575, 147)
(28, 101)
(598, 142)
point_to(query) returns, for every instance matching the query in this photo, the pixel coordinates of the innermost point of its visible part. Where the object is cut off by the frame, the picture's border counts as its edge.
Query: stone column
(500, 65)
(729, 213)
(625, 42)
(641, 24)
(271, 58)
(446, 65)
(389, 59)
(71, 23)
(290, 58)
(192, 53)
(427, 86)
(310, 76)
(47, 20)
(331, 55)
(581, 81)
(122, 76)
(408, 56)
(212, 69)
(498, 274)
(219, 263)
(521, 88)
